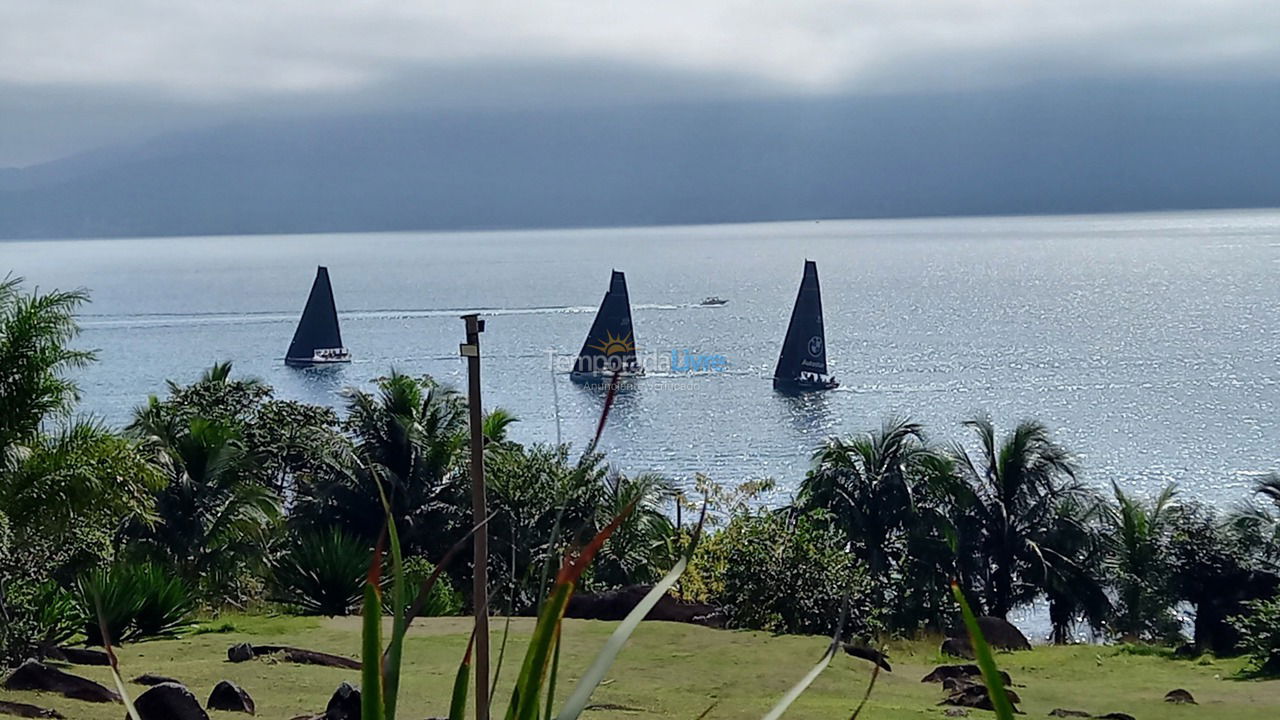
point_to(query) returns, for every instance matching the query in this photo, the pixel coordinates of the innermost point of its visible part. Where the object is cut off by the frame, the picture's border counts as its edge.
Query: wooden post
(480, 566)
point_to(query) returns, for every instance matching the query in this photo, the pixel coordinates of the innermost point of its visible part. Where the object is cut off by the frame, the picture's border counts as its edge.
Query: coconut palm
(1140, 564)
(214, 518)
(1072, 573)
(884, 490)
(643, 547)
(60, 477)
(409, 438)
(1018, 482)
(64, 482)
(35, 331)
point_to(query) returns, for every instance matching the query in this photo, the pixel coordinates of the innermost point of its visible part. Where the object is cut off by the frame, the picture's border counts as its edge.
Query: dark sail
(803, 362)
(611, 345)
(318, 328)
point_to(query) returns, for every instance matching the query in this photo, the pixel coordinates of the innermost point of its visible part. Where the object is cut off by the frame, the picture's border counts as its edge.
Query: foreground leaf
(592, 678)
(986, 661)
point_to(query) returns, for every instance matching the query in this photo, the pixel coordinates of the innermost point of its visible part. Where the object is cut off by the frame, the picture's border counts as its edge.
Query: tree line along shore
(218, 495)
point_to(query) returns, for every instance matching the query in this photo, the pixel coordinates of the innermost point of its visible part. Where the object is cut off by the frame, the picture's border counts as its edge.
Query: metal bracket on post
(480, 566)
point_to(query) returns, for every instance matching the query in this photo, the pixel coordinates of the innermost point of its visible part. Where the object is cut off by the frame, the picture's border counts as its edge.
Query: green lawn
(677, 671)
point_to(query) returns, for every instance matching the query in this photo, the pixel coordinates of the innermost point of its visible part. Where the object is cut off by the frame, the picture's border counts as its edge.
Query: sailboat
(318, 341)
(802, 365)
(610, 346)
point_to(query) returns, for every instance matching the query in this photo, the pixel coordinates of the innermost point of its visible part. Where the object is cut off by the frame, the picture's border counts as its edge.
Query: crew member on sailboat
(802, 365)
(318, 341)
(610, 346)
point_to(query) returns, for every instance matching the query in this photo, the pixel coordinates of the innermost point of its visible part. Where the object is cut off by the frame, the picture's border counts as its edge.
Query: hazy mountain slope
(1061, 149)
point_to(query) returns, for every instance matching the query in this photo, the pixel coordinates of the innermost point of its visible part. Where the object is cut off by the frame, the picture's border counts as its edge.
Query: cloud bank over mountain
(183, 116)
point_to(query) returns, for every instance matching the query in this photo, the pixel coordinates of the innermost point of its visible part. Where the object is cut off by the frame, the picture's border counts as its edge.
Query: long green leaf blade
(461, 684)
(371, 707)
(986, 661)
(798, 689)
(400, 627)
(592, 678)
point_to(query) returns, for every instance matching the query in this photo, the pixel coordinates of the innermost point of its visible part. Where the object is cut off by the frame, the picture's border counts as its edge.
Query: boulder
(1179, 697)
(311, 657)
(24, 710)
(79, 656)
(944, 672)
(230, 697)
(33, 675)
(869, 654)
(242, 652)
(975, 696)
(957, 647)
(1002, 634)
(615, 604)
(169, 701)
(1059, 712)
(148, 679)
(1116, 716)
(344, 705)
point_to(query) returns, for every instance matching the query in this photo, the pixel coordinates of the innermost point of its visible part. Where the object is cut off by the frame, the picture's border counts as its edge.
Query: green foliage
(1018, 483)
(322, 573)
(986, 660)
(135, 601)
(215, 518)
(1140, 565)
(410, 436)
(443, 599)
(772, 572)
(892, 495)
(1259, 629)
(38, 616)
(64, 483)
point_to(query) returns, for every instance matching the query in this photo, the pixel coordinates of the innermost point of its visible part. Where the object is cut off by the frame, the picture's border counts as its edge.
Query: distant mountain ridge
(1029, 150)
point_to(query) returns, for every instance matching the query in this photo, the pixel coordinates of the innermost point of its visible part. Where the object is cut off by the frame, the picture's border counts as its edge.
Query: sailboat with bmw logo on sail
(802, 365)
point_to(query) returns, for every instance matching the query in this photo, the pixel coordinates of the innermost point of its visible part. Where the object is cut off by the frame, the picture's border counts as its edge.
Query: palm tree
(1071, 573)
(63, 481)
(410, 437)
(1018, 483)
(60, 478)
(880, 488)
(1140, 564)
(34, 360)
(213, 519)
(643, 547)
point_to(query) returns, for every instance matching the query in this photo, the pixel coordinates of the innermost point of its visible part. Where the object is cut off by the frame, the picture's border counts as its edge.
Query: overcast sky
(76, 74)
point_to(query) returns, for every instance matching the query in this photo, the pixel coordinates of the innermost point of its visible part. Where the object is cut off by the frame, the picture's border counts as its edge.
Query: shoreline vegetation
(220, 498)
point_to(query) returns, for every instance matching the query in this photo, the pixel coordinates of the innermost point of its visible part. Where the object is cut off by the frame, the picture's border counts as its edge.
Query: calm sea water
(1149, 342)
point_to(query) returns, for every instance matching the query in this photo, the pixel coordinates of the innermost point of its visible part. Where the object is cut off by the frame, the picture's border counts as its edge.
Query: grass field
(677, 671)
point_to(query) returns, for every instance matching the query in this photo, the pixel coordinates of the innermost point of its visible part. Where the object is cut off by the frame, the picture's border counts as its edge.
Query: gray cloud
(79, 73)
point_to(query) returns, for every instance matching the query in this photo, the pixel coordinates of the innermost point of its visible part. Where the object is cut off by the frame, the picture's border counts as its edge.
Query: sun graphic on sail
(612, 345)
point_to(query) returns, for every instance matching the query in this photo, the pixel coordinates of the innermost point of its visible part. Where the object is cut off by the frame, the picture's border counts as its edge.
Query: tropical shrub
(322, 573)
(37, 616)
(443, 599)
(1259, 629)
(134, 601)
(64, 483)
(215, 518)
(771, 571)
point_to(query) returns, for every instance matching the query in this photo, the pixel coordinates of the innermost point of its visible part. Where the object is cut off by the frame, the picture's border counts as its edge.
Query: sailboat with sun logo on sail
(610, 347)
